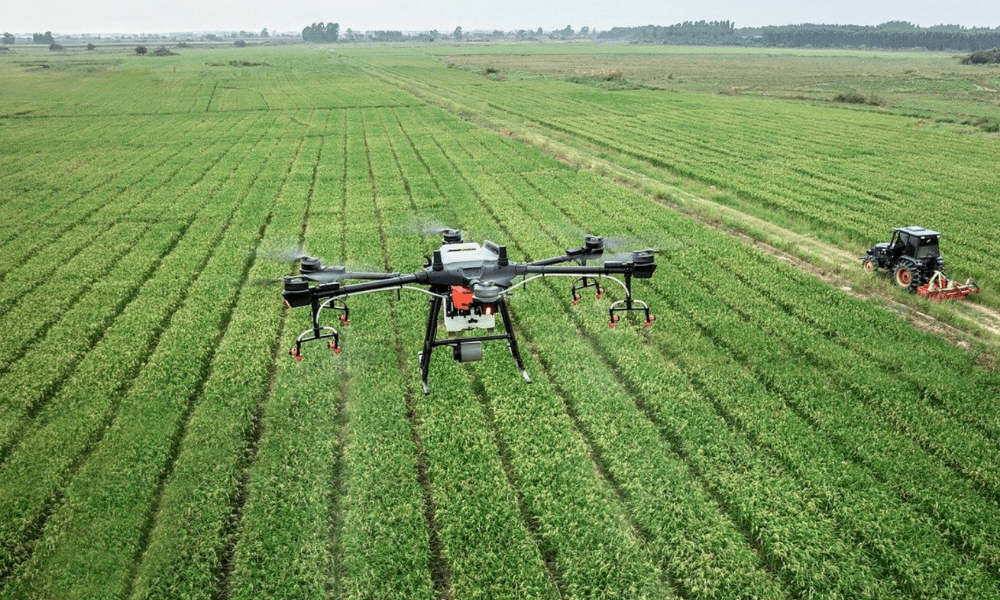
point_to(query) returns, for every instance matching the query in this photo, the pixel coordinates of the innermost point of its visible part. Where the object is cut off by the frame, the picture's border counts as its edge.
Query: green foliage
(611, 79)
(320, 33)
(891, 34)
(141, 50)
(983, 57)
(856, 97)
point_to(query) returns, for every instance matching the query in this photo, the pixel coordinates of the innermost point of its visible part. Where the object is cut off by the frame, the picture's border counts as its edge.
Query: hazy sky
(157, 16)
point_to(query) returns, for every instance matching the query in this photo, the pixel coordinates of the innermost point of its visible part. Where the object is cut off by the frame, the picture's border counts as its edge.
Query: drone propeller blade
(427, 226)
(628, 256)
(266, 281)
(286, 254)
(327, 276)
(623, 243)
(431, 227)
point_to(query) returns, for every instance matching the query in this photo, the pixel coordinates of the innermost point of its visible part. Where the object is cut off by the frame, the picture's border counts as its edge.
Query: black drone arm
(298, 292)
(592, 249)
(556, 260)
(371, 276)
(641, 267)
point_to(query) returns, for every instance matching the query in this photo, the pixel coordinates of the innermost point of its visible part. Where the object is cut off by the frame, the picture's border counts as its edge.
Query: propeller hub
(642, 257)
(594, 243)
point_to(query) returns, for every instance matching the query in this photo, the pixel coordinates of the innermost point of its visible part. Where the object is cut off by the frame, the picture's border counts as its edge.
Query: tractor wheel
(907, 276)
(869, 266)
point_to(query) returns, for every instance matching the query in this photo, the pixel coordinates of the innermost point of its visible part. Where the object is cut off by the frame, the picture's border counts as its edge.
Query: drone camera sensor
(467, 351)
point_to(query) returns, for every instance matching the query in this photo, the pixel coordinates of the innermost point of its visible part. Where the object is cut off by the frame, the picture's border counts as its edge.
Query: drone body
(471, 284)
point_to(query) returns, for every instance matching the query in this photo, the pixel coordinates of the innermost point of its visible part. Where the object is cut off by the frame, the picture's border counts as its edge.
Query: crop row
(44, 243)
(333, 460)
(270, 78)
(50, 159)
(91, 541)
(37, 297)
(964, 519)
(197, 511)
(117, 181)
(33, 379)
(71, 422)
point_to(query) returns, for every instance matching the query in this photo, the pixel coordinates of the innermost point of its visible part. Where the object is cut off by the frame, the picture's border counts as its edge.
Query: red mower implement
(942, 288)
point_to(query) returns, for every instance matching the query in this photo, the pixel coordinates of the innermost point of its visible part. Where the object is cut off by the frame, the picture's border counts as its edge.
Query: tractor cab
(914, 247)
(913, 241)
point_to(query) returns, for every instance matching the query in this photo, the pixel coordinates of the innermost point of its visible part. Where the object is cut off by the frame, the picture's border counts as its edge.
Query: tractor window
(928, 250)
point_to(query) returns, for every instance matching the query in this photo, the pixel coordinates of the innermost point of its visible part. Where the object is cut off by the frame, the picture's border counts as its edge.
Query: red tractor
(913, 259)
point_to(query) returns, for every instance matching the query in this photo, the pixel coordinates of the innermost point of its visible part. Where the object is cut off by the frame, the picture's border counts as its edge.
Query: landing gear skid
(628, 305)
(322, 332)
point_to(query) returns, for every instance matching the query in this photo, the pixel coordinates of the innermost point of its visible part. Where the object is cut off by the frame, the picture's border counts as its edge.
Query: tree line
(320, 33)
(897, 35)
(892, 34)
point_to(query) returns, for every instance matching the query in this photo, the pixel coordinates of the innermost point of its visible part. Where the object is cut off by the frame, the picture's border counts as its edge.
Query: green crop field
(771, 436)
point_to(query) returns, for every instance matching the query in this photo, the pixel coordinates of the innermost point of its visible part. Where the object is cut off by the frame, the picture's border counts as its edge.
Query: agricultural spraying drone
(472, 284)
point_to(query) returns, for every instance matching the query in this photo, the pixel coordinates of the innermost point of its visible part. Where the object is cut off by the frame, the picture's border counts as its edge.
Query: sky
(165, 16)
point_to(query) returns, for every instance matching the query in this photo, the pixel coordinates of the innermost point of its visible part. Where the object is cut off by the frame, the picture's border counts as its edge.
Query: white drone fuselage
(462, 312)
(476, 317)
